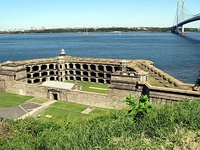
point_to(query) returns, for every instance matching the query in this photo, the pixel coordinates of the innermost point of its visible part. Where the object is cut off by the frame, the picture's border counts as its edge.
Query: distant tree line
(98, 30)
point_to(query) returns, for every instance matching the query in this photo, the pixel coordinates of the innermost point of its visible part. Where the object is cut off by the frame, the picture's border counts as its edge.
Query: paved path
(24, 110)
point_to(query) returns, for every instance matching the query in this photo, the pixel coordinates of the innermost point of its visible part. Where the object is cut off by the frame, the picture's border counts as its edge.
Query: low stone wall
(117, 96)
(26, 89)
(162, 74)
(114, 99)
(161, 95)
(87, 98)
(36, 61)
(75, 96)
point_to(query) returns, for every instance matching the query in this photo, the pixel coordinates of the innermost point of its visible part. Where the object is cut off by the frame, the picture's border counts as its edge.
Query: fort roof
(56, 84)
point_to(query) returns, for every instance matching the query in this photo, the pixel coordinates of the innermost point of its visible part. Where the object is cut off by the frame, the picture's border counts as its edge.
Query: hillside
(164, 127)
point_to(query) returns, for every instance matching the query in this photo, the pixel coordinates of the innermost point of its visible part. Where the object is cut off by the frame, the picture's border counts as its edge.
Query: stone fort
(124, 77)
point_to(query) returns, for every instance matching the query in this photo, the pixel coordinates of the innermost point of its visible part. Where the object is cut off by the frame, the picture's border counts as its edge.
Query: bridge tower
(179, 17)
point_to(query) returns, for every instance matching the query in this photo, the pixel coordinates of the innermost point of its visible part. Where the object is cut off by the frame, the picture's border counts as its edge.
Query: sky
(24, 14)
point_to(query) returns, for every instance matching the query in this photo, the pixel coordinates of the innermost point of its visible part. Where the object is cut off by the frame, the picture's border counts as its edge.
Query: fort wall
(26, 89)
(2, 85)
(92, 99)
(77, 69)
(123, 77)
(162, 95)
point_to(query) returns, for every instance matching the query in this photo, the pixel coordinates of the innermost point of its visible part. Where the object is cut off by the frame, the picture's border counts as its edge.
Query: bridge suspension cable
(183, 16)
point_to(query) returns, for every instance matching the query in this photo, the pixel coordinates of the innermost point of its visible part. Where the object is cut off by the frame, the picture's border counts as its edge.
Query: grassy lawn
(11, 100)
(65, 111)
(155, 82)
(37, 101)
(92, 87)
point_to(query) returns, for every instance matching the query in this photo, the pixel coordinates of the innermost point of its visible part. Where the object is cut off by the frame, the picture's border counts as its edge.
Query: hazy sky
(17, 14)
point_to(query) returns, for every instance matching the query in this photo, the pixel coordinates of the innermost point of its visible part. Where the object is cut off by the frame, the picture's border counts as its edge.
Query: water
(177, 55)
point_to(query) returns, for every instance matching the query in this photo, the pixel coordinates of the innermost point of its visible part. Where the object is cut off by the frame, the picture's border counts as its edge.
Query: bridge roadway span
(195, 18)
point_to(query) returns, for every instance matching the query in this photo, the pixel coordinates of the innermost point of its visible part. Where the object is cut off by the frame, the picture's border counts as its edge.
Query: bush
(138, 106)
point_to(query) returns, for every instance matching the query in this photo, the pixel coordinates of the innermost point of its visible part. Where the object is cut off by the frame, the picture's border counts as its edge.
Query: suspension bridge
(183, 16)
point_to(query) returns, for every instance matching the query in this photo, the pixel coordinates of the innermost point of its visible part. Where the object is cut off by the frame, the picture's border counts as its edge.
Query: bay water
(177, 55)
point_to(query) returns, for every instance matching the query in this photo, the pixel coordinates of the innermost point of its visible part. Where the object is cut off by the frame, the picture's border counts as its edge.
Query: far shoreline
(103, 30)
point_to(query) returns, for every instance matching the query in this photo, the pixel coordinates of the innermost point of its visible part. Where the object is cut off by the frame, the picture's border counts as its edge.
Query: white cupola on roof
(62, 53)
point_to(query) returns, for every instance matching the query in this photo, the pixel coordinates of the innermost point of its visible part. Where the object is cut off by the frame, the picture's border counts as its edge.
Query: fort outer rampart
(123, 77)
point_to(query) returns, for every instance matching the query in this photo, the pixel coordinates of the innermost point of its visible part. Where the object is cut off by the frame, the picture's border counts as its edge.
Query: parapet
(12, 66)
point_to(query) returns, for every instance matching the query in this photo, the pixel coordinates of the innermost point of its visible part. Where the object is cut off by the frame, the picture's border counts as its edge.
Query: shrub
(138, 106)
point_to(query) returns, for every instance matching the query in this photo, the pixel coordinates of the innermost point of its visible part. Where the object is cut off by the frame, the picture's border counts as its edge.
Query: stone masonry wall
(26, 89)
(161, 95)
(87, 98)
(2, 85)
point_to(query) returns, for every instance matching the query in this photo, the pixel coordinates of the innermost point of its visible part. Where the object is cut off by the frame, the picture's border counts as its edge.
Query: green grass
(167, 127)
(155, 82)
(37, 101)
(65, 111)
(88, 87)
(11, 100)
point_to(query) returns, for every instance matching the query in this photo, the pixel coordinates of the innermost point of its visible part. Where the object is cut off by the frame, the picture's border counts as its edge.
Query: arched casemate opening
(85, 66)
(78, 78)
(29, 81)
(61, 67)
(36, 74)
(51, 73)
(93, 74)
(78, 73)
(108, 82)
(93, 80)
(43, 67)
(101, 75)
(109, 68)
(44, 73)
(28, 69)
(116, 68)
(51, 66)
(78, 66)
(35, 68)
(36, 80)
(108, 75)
(71, 78)
(28, 75)
(101, 68)
(92, 67)
(85, 79)
(71, 66)
(43, 79)
(51, 78)
(101, 81)
(71, 72)
(85, 73)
